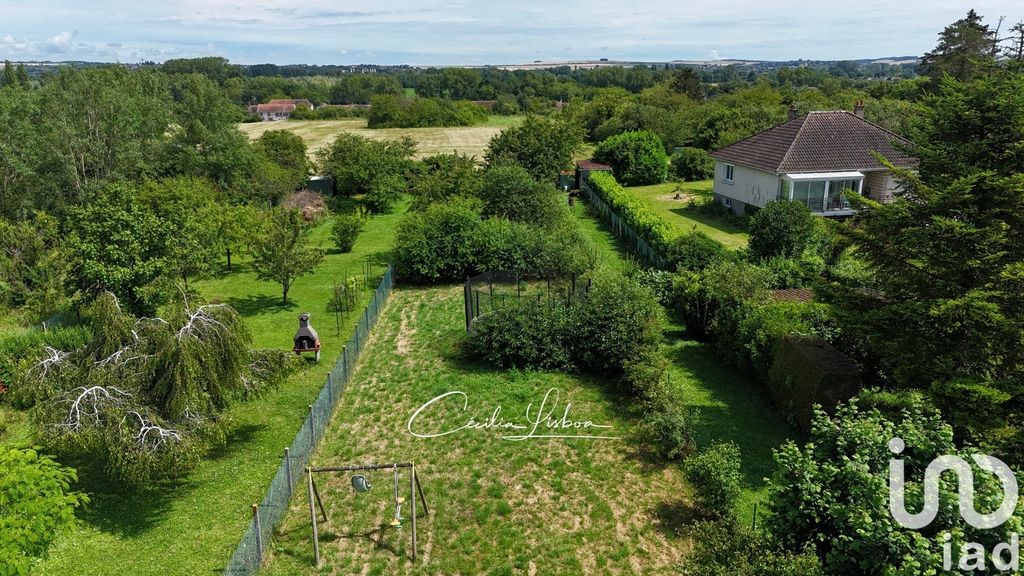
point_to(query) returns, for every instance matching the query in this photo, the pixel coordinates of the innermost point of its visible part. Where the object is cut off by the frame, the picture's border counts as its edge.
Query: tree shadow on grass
(259, 304)
(675, 517)
(740, 411)
(116, 509)
(237, 439)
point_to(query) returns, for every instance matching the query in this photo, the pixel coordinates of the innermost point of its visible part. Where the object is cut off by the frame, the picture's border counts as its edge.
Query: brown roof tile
(819, 142)
(793, 295)
(591, 165)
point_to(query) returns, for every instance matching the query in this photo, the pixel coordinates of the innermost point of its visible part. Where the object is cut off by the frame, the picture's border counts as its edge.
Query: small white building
(811, 159)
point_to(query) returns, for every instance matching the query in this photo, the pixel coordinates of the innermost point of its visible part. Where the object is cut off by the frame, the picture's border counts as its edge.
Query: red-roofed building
(585, 167)
(811, 159)
(279, 109)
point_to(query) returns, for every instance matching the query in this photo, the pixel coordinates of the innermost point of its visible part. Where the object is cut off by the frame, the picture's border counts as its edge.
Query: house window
(727, 201)
(728, 172)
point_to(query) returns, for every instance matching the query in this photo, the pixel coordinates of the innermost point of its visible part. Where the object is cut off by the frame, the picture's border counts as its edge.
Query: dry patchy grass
(471, 140)
(540, 506)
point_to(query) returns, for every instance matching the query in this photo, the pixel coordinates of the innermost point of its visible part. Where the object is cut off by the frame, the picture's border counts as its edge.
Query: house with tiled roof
(812, 159)
(279, 109)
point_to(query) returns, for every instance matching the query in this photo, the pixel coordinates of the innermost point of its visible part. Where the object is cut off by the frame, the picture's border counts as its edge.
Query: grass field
(192, 526)
(541, 506)
(676, 212)
(731, 406)
(470, 140)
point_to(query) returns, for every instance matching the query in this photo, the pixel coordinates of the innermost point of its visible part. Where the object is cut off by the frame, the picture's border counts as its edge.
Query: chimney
(793, 112)
(858, 109)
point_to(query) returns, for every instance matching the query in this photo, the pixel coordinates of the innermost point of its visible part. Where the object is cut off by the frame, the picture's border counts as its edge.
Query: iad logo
(972, 554)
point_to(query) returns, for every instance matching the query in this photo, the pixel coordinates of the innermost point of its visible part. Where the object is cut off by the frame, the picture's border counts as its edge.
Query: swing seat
(401, 500)
(395, 522)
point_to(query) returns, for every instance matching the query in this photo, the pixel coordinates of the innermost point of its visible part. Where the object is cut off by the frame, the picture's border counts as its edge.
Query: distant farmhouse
(279, 109)
(811, 159)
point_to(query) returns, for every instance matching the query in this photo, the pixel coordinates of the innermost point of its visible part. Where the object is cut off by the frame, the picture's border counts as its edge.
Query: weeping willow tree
(145, 394)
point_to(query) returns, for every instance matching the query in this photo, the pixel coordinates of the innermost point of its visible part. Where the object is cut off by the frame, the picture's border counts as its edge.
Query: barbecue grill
(306, 338)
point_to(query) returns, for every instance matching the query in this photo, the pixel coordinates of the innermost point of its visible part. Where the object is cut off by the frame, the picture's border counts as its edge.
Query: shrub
(508, 191)
(716, 478)
(638, 158)
(708, 300)
(695, 251)
(668, 431)
(638, 214)
(385, 191)
(617, 321)
(439, 242)
(754, 345)
(781, 228)
(346, 229)
(543, 146)
(37, 503)
(829, 493)
(692, 164)
(659, 282)
(445, 176)
(725, 548)
(398, 111)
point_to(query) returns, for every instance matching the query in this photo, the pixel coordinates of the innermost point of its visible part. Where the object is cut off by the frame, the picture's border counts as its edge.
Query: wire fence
(268, 514)
(634, 243)
(489, 291)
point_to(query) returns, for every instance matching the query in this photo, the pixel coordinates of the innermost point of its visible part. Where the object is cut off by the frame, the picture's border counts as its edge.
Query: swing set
(361, 484)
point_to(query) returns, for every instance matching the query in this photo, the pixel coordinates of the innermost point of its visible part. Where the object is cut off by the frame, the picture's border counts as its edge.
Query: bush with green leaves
(638, 158)
(616, 321)
(727, 548)
(508, 191)
(753, 346)
(829, 494)
(715, 476)
(438, 243)
(346, 229)
(37, 502)
(691, 164)
(707, 301)
(363, 166)
(638, 214)
(444, 176)
(668, 431)
(781, 228)
(33, 269)
(543, 146)
(400, 111)
(695, 251)
(17, 349)
(283, 250)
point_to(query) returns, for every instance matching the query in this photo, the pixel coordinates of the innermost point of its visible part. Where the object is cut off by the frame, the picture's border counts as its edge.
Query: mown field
(538, 506)
(471, 140)
(662, 197)
(192, 526)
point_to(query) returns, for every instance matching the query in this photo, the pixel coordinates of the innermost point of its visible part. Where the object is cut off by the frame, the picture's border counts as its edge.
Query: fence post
(330, 388)
(312, 430)
(259, 531)
(288, 471)
(344, 362)
(312, 514)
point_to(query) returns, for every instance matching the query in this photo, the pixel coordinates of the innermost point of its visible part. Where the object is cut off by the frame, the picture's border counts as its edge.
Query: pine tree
(965, 48)
(10, 76)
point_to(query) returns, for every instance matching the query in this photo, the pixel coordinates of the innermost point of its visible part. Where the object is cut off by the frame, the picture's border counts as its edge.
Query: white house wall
(883, 185)
(749, 186)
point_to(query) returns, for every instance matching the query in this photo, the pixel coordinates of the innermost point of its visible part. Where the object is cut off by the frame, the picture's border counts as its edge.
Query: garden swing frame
(315, 501)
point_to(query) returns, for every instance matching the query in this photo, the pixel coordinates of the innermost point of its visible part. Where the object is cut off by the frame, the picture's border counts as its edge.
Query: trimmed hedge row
(641, 217)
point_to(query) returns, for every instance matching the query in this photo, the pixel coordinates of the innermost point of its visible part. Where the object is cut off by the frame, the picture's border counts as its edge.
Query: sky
(454, 32)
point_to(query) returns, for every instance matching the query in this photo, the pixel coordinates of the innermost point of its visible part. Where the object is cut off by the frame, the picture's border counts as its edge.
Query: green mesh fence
(268, 515)
(637, 245)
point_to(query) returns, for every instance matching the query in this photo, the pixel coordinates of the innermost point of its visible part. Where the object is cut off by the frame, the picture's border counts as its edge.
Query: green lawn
(732, 407)
(193, 526)
(500, 507)
(676, 212)
(548, 506)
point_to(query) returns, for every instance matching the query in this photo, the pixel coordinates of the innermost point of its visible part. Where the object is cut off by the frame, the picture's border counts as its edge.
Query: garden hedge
(634, 211)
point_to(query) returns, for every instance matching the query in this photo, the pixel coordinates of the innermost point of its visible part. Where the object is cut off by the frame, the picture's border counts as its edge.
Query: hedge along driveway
(192, 526)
